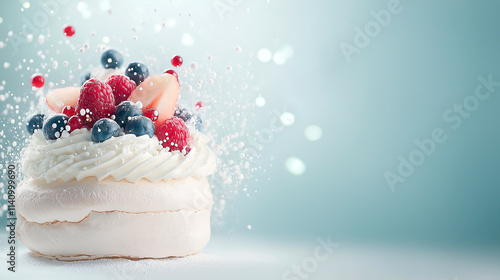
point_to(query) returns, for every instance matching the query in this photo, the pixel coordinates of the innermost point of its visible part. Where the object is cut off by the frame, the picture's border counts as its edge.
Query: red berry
(69, 111)
(199, 105)
(122, 87)
(176, 61)
(69, 31)
(174, 134)
(152, 114)
(37, 80)
(96, 101)
(172, 72)
(74, 123)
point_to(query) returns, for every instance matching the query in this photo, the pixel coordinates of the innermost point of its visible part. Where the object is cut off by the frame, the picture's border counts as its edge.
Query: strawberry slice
(159, 92)
(59, 98)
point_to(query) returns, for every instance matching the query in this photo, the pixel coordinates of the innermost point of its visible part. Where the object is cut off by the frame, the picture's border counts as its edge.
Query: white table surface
(263, 259)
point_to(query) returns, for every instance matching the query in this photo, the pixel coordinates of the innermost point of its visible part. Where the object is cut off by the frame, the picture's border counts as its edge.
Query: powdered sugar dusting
(222, 80)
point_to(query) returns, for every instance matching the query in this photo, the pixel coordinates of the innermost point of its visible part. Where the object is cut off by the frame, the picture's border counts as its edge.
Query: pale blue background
(371, 110)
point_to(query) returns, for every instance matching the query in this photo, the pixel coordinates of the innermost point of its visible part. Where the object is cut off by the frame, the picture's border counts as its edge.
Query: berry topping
(197, 122)
(183, 113)
(174, 134)
(37, 80)
(125, 111)
(111, 59)
(137, 72)
(104, 129)
(172, 72)
(75, 123)
(122, 87)
(35, 122)
(69, 111)
(176, 61)
(84, 77)
(140, 125)
(69, 31)
(152, 114)
(199, 105)
(54, 126)
(158, 92)
(59, 98)
(189, 118)
(96, 101)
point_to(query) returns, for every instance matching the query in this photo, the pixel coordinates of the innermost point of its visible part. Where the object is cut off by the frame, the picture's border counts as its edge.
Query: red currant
(172, 72)
(152, 114)
(177, 61)
(69, 111)
(37, 80)
(199, 105)
(69, 31)
(74, 123)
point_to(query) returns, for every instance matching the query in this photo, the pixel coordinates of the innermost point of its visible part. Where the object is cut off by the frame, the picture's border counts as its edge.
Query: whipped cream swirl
(127, 157)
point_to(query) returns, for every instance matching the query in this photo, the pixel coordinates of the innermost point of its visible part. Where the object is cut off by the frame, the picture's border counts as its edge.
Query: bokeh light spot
(82, 6)
(104, 5)
(295, 166)
(264, 55)
(260, 101)
(287, 118)
(187, 40)
(313, 132)
(279, 58)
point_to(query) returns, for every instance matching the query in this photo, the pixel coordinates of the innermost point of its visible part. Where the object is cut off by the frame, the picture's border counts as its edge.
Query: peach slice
(59, 98)
(159, 92)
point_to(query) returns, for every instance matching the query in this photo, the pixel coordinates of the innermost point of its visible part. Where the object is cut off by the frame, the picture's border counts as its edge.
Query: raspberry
(69, 111)
(199, 105)
(174, 134)
(37, 80)
(152, 114)
(69, 31)
(172, 72)
(74, 123)
(96, 101)
(122, 87)
(176, 61)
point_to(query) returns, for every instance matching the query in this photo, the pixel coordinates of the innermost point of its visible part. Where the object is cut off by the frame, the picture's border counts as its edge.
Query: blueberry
(85, 77)
(111, 59)
(140, 125)
(124, 111)
(189, 118)
(137, 72)
(183, 113)
(54, 126)
(35, 122)
(104, 129)
(197, 122)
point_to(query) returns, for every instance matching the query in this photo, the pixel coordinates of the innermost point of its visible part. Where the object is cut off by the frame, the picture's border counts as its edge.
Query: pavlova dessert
(116, 170)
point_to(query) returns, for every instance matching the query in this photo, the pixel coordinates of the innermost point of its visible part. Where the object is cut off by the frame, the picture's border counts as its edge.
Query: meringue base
(118, 233)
